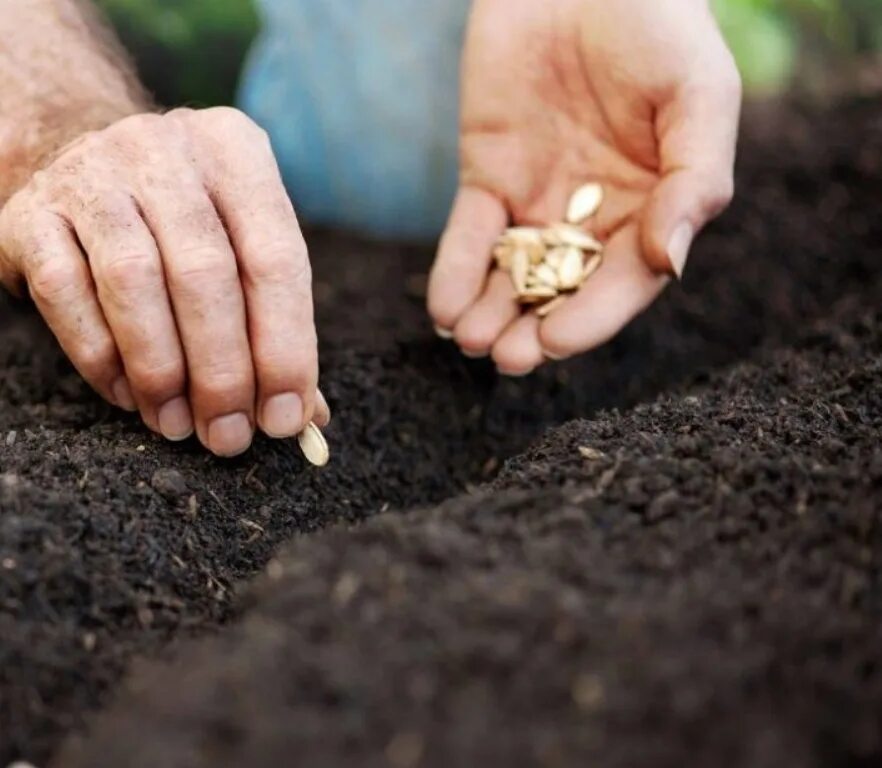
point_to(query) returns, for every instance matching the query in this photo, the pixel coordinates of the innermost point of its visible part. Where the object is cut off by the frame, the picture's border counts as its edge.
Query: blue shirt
(360, 98)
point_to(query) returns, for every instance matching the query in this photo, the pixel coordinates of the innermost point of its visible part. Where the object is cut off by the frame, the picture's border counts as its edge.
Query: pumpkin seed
(539, 292)
(549, 306)
(548, 276)
(520, 268)
(314, 446)
(570, 271)
(591, 266)
(584, 203)
(570, 235)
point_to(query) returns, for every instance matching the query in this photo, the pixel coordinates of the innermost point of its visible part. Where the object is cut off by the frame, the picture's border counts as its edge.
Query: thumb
(698, 133)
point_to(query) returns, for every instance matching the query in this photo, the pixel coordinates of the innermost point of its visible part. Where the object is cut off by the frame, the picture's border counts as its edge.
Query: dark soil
(705, 591)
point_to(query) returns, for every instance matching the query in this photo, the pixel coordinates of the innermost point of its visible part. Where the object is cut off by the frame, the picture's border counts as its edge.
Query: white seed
(548, 276)
(570, 271)
(520, 268)
(538, 292)
(567, 234)
(584, 203)
(591, 266)
(549, 307)
(523, 236)
(555, 256)
(551, 238)
(537, 254)
(314, 446)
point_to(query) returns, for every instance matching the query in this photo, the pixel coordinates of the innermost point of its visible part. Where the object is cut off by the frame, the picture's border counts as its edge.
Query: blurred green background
(191, 51)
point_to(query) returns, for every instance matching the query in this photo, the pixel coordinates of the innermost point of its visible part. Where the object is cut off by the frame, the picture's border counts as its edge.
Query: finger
(518, 352)
(277, 281)
(487, 318)
(698, 135)
(209, 307)
(622, 288)
(61, 286)
(464, 254)
(322, 415)
(130, 282)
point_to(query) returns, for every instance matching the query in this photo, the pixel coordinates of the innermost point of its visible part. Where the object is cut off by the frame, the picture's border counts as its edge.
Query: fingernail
(678, 247)
(230, 435)
(550, 356)
(323, 408)
(444, 333)
(283, 415)
(122, 393)
(475, 355)
(175, 420)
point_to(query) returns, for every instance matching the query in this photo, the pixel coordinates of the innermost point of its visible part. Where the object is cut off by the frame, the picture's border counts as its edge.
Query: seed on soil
(314, 446)
(584, 203)
(549, 262)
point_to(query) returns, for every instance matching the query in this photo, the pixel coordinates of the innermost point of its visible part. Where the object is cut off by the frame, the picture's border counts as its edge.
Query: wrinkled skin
(166, 257)
(643, 97)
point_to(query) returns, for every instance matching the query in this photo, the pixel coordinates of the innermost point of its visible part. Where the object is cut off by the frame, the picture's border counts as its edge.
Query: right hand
(165, 255)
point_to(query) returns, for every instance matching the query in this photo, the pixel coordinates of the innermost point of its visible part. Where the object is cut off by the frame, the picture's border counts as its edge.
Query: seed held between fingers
(314, 446)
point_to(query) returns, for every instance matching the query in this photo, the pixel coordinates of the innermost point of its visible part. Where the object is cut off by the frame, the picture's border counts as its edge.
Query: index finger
(462, 267)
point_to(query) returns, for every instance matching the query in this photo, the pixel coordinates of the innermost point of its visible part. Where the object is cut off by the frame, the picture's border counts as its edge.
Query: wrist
(29, 145)
(62, 75)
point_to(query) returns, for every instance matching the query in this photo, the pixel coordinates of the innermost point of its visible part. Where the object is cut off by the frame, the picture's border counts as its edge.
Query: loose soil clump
(707, 587)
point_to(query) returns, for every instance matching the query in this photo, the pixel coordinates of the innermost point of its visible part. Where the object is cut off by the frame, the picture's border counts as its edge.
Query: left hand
(641, 96)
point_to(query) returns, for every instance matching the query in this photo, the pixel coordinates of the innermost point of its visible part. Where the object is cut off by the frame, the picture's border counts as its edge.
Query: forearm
(62, 73)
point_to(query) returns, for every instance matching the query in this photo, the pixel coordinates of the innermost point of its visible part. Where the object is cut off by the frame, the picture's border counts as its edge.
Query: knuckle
(128, 274)
(144, 124)
(157, 381)
(181, 114)
(281, 263)
(53, 281)
(222, 382)
(232, 124)
(297, 363)
(95, 359)
(233, 120)
(200, 265)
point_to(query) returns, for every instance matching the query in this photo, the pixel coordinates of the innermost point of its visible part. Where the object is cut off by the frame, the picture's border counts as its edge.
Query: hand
(166, 257)
(642, 96)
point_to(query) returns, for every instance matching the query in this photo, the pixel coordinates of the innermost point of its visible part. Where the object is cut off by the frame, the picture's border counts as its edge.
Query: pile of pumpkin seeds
(549, 263)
